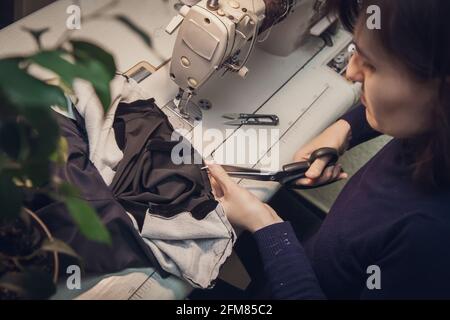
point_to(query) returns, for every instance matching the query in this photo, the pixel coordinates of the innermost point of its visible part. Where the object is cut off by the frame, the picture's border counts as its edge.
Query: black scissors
(290, 172)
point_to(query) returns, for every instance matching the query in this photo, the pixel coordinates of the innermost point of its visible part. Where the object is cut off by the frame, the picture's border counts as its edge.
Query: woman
(388, 233)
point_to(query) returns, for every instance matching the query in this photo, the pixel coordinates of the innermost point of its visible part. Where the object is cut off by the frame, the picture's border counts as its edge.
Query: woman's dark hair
(417, 32)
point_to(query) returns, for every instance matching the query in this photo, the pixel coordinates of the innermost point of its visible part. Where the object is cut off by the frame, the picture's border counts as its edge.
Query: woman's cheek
(373, 105)
(374, 121)
(387, 103)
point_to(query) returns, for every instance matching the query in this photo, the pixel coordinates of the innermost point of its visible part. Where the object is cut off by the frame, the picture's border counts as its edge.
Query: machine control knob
(243, 72)
(192, 82)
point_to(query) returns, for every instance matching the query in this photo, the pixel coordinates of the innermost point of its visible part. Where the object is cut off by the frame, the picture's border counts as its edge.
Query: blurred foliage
(30, 144)
(29, 133)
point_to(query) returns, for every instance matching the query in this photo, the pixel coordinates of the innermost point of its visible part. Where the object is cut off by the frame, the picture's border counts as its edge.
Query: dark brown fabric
(147, 178)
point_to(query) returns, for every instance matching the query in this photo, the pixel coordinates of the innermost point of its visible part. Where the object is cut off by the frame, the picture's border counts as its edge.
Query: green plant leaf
(133, 27)
(87, 220)
(39, 134)
(43, 142)
(23, 91)
(91, 63)
(3, 161)
(7, 164)
(54, 61)
(11, 139)
(84, 215)
(10, 198)
(61, 154)
(97, 66)
(67, 190)
(38, 172)
(59, 246)
(85, 50)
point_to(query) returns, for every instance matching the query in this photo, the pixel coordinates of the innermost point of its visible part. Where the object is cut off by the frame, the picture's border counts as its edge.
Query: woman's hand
(242, 208)
(336, 136)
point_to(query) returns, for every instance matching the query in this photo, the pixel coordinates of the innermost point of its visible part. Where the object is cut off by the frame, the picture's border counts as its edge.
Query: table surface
(305, 94)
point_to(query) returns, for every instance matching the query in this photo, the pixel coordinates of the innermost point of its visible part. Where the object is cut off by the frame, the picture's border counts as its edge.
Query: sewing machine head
(221, 34)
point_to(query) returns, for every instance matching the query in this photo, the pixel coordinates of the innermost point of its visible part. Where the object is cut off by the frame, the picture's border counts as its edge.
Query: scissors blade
(297, 170)
(234, 123)
(232, 116)
(249, 173)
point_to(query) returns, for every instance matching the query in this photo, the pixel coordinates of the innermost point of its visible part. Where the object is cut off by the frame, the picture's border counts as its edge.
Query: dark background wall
(6, 12)
(12, 10)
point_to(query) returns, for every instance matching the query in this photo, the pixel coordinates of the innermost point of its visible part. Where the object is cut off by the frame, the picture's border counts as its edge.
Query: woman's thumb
(220, 175)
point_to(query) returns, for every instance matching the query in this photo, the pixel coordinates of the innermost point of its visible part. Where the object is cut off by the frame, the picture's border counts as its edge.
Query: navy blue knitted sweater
(384, 237)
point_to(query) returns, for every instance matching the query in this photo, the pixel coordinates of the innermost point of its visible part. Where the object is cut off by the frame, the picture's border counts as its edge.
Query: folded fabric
(147, 177)
(188, 249)
(103, 149)
(171, 205)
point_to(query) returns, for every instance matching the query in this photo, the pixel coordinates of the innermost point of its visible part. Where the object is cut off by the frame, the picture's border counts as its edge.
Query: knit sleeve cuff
(277, 239)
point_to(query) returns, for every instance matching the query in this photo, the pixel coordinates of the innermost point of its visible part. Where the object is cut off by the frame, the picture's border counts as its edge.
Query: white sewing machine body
(300, 81)
(220, 36)
(208, 38)
(293, 74)
(211, 38)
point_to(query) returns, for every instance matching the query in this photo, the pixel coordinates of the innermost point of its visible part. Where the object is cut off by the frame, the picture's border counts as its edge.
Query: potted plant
(30, 143)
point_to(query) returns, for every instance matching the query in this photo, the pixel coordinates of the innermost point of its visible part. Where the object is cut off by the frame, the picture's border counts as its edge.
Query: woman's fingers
(329, 174)
(304, 182)
(317, 168)
(343, 175)
(220, 176)
(323, 177)
(336, 172)
(339, 173)
(216, 189)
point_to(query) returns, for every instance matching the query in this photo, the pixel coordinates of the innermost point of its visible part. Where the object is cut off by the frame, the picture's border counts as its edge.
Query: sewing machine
(281, 57)
(274, 57)
(219, 36)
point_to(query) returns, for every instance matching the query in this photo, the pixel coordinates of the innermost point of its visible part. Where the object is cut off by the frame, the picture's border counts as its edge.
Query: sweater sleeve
(361, 130)
(415, 265)
(287, 268)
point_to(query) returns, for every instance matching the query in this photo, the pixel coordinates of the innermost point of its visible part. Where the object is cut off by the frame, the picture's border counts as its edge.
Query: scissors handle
(319, 153)
(297, 170)
(325, 152)
(258, 115)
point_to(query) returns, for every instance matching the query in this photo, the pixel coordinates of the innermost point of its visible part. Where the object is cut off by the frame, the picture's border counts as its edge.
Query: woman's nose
(354, 70)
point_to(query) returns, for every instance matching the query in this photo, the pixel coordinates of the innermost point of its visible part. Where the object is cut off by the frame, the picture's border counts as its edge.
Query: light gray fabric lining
(192, 249)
